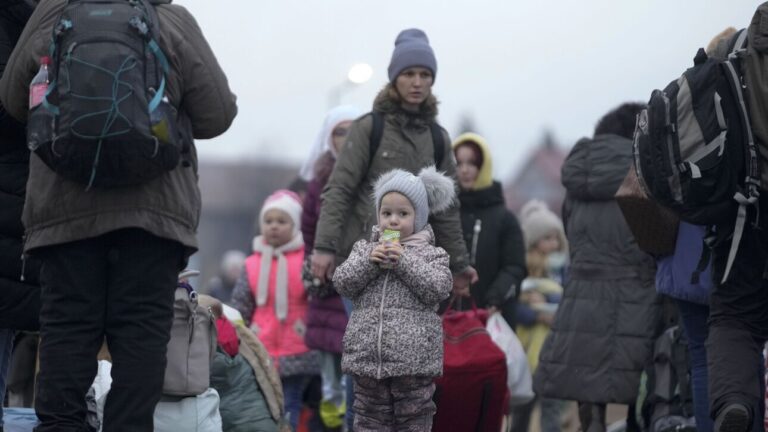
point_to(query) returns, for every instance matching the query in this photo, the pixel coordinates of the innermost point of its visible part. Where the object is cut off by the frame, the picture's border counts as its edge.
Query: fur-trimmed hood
(387, 102)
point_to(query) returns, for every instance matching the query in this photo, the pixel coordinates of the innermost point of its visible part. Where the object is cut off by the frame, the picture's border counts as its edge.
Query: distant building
(232, 194)
(539, 177)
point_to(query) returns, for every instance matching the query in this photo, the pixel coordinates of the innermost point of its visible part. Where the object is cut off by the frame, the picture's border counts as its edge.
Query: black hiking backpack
(105, 120)
(693, 145)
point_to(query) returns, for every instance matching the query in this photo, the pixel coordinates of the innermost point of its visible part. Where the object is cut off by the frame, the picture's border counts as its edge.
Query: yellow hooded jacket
(485, 176)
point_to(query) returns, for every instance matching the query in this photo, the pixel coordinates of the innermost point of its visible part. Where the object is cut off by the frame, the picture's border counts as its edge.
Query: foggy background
(532, 77)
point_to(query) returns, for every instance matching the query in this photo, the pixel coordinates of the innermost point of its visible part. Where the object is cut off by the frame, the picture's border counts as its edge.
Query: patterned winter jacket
(394, 329)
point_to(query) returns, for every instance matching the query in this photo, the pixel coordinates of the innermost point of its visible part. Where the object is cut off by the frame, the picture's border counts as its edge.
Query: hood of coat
(485, 174)
(482, 198)
(323, 144)
(595, 168)
(386, 102)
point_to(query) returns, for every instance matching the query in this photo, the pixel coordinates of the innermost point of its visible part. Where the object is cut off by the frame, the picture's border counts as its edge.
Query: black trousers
(119, 285)
(738, 322)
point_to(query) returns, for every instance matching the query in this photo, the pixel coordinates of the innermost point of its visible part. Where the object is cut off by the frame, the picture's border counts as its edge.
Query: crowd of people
(332, 319)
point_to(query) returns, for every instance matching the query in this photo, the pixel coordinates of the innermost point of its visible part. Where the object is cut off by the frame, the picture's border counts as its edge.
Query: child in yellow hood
(491, 232)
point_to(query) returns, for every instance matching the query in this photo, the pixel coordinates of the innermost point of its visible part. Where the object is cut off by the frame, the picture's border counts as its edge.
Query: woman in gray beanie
(408, 111)
(410, 139)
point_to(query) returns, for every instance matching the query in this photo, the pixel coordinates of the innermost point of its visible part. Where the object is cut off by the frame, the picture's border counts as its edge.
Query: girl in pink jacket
(270, 295)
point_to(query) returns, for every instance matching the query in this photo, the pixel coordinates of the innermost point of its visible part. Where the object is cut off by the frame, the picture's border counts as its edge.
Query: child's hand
(394, 252)
(386, 253)
(379, 254)
(545, 318)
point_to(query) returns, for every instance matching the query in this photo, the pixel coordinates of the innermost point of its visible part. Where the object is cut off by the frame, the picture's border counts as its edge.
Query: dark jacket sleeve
(447, 225)
(340, 191)
(242, 298)
(513, 270)
(310, 214)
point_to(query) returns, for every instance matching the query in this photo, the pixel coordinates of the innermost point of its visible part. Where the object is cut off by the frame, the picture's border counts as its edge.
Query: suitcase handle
(455, 298)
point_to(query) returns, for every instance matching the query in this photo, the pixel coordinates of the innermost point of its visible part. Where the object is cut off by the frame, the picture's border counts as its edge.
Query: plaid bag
(653, 226)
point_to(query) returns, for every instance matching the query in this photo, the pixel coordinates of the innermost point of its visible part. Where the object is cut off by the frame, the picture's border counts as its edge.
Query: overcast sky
(514, 67)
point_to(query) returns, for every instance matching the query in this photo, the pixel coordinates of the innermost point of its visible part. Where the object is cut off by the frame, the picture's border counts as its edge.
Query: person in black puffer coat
(19, 292)
(18, 278)
(492, 233)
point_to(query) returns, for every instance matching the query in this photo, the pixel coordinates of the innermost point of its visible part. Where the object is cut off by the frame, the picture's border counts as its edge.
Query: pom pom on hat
(441, 191)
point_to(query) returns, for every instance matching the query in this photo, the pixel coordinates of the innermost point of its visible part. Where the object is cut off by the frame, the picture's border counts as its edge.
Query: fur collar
(388, 102)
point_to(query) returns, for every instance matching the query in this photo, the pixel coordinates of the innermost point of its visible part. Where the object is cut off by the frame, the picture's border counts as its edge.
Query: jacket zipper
(381, 323)
(475, 237)
(23, 259)
(23, 266)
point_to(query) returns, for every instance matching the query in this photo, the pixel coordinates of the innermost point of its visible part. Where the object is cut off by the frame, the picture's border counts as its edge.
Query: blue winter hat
(411, 49)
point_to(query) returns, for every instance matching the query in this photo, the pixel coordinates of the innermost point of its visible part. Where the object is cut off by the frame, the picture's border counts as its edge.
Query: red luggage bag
(472, 394)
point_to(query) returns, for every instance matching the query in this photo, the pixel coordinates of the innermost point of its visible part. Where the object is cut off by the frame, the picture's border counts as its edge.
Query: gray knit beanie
(429, 192)
(411, 49)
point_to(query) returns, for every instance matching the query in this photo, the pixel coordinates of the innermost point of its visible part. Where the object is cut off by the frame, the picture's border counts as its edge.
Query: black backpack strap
(749, 195)
(377, 131)
(679, 361)
(706, 253)
(438, 141)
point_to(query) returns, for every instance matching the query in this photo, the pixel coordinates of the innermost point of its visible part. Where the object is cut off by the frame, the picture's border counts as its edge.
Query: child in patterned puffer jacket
(393, 345)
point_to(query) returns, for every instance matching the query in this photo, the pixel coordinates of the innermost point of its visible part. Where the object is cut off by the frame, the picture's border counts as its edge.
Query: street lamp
(358, 74)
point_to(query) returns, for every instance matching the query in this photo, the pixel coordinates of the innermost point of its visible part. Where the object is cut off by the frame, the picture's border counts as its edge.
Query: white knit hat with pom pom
(430, 192)
(538, 221)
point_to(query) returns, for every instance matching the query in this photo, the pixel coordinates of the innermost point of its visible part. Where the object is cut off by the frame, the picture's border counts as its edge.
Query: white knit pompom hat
(538, 221)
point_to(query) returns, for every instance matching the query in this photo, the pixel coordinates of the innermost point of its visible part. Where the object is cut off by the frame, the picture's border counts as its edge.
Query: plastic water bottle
(39, 84)
(40, 121)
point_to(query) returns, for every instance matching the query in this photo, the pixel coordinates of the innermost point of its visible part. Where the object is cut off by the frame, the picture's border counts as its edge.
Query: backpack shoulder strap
(739, 42)
(438, 141)
(750, 193)
(377, 131)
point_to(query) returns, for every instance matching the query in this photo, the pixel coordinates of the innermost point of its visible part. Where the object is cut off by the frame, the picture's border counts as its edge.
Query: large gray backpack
(693, 145)
(105, 120)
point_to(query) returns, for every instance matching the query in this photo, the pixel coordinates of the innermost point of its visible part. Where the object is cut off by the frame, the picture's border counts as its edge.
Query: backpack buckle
(63, 26)
(139, 25)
